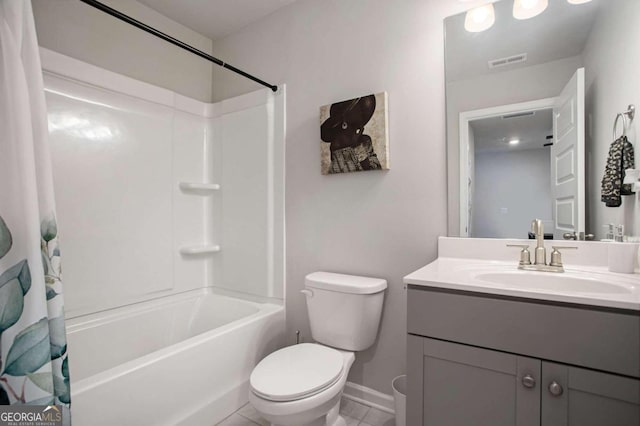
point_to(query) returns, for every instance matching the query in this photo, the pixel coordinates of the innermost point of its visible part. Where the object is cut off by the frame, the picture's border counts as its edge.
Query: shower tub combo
(173, 262)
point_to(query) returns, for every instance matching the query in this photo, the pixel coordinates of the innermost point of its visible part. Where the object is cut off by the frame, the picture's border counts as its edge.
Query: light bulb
(578, 1)
(525, 9)
(480, 18)
(514, 141)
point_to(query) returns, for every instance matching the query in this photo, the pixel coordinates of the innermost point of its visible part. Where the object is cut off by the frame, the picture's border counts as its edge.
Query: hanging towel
(620, 159)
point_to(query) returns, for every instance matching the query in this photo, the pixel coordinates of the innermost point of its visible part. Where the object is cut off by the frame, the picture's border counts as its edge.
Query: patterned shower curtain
(33, 350)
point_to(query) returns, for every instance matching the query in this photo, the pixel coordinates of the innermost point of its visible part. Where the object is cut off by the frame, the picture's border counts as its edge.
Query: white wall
(82, 32)
(612, 61)
(517, 181)
(503, 88)
(381, 224)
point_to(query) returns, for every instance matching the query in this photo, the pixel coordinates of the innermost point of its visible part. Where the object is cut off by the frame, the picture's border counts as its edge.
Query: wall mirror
(532, 96)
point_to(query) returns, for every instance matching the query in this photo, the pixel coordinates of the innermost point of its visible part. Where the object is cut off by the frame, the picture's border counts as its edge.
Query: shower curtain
(33, 351)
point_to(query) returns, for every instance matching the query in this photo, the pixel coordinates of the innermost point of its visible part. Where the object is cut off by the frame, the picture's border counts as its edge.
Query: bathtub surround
(160, 143)
(178, 228)
(392, 46)
(34, 361)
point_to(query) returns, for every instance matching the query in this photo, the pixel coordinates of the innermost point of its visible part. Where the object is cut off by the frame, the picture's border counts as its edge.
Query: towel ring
(630, 114)
(624, 125)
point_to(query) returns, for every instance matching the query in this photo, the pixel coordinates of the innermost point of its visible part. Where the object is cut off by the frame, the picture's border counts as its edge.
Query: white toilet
(301, 385)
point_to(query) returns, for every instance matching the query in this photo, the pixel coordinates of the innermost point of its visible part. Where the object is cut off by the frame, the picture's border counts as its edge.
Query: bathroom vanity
(491, 345)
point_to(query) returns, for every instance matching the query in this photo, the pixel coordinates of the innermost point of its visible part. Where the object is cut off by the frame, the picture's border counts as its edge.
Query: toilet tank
(344, 310)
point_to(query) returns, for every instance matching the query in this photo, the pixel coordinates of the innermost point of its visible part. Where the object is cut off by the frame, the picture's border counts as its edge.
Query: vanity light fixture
(480, 18)
(525, 9)
(578, 1)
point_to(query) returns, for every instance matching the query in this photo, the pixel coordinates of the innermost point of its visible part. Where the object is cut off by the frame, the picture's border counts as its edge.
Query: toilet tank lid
(345, 283)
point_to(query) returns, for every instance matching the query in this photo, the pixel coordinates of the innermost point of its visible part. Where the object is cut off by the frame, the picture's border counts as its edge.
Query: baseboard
(368, 396)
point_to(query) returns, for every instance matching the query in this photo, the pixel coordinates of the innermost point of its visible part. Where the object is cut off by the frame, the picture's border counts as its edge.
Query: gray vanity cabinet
(579, 397)
(474, 360)
(462, 386)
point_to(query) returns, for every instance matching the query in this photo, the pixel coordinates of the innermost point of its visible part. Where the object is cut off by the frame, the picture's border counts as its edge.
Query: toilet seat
(296, 372)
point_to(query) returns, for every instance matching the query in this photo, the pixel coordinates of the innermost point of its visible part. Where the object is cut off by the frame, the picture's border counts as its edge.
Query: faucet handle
(525, 255)
(556, 256)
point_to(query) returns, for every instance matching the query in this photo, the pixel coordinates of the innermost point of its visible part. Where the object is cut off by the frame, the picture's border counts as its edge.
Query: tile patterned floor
(354, 413)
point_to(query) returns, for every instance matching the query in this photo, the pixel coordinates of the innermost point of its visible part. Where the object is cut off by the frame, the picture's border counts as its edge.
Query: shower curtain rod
(129, 20)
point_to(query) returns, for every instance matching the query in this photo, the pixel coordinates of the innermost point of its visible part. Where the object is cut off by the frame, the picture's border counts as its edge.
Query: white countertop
(466, 274)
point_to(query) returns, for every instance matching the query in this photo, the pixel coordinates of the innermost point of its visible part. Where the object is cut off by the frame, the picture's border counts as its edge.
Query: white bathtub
(184, 359)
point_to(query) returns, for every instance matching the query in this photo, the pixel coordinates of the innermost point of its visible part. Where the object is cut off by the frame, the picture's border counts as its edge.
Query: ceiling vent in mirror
(518, 115)
(511, 60)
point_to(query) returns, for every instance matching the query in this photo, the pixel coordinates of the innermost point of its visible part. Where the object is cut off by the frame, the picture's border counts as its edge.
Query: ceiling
(493, 134)
(216, 18)
(559, 32)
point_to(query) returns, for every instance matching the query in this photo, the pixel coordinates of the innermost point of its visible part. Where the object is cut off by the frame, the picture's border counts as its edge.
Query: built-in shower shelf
(199, 188)
(203, 249)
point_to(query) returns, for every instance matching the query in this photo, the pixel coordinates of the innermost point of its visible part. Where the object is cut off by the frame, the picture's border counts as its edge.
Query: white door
(567, 158)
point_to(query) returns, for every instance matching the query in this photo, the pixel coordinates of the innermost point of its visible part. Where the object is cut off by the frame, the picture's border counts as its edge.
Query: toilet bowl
(298, 398)
(301, 385)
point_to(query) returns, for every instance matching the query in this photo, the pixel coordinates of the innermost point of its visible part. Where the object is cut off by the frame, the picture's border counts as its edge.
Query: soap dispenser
(622, 255)
(610, 235)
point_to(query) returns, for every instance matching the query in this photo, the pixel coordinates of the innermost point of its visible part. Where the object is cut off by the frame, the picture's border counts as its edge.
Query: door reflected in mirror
(510, 142)
(530, 108)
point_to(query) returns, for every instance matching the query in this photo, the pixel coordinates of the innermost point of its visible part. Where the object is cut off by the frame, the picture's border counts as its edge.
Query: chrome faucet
(540, 253)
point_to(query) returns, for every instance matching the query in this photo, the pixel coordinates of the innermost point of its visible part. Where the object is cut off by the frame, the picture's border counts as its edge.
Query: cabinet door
(457, 385)
(578, 397)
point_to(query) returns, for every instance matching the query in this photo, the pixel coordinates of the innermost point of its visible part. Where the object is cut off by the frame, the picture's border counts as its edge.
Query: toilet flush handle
(307, 293)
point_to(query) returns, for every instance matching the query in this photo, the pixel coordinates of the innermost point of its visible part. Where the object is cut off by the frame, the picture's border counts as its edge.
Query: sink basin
(547, 281)
(486, 267)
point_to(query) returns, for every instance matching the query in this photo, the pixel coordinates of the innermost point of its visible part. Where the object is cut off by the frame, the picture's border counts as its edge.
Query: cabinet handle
(555, 388)
(528, 381)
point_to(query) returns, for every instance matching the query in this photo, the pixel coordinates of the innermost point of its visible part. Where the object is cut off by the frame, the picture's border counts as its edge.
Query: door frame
(465, 118)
